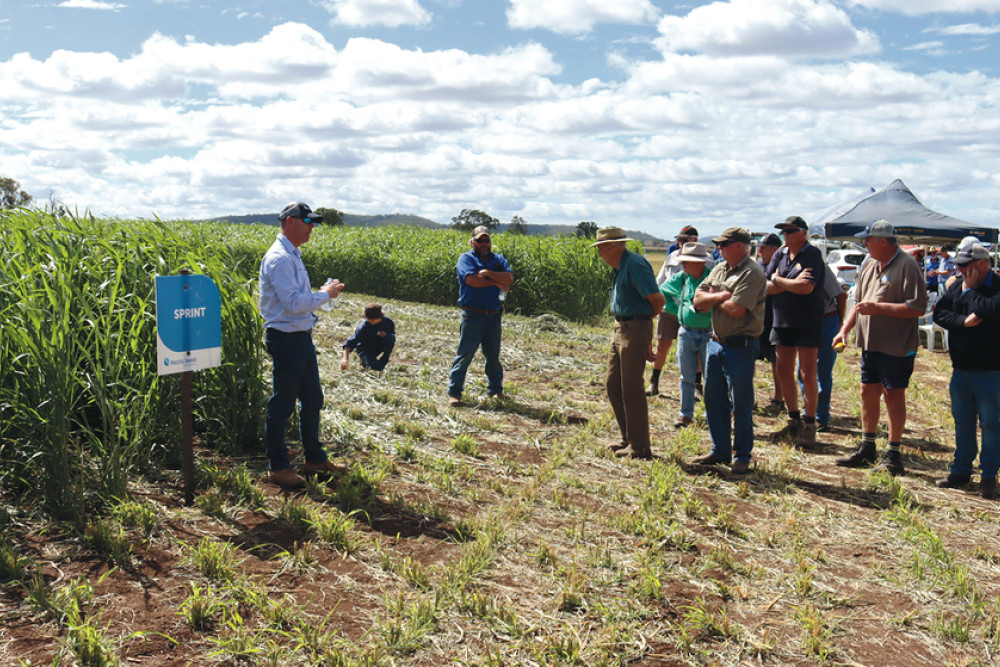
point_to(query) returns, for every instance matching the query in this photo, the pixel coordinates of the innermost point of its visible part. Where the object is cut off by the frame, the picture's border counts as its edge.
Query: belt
(733, 341)
(698, 329)
(481, 311)
(831, 315)
(629, 318)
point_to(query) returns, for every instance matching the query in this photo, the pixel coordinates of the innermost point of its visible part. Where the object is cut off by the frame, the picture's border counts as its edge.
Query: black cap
(792, 222)
(297, 209)
(771, 239)
(687, 232)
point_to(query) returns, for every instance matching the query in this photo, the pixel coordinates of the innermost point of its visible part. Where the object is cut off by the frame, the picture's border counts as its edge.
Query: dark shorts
(795, 336)
(667, 326)
(884, 369)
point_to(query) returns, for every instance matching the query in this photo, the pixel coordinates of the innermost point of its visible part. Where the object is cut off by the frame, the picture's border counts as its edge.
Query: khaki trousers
(624, 381)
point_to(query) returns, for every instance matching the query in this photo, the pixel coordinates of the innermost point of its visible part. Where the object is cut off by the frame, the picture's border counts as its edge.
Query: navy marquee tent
(913, 221)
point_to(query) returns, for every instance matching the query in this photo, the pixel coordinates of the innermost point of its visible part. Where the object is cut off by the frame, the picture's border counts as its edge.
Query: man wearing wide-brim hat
(635, 301)
(734, 292)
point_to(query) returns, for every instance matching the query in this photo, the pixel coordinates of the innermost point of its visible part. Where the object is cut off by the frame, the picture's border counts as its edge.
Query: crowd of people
(785, 307)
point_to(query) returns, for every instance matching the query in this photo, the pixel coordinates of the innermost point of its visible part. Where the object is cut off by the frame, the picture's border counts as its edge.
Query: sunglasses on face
(791, 231)
(483, 241)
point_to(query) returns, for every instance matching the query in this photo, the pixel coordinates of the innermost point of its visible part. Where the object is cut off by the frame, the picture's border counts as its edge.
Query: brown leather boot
(633, 453)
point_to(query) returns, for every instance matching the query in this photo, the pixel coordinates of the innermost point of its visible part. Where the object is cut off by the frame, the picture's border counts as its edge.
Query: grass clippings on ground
(505, 533)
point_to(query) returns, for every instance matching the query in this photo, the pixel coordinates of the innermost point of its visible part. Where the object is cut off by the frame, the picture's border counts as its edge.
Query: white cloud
(793, 28)
(185, 128)
(577, 16)
(918, 7)
(967, 29)
(91, 4)
(925, 46)
(389, 13)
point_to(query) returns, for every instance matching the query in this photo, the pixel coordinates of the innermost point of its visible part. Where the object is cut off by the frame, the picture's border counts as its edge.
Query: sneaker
(892, 463)
(807, 435)
(862, 457)
(988, 487)
(709, 460)
(791, 431)
(953, 481)
(286, 478)
(682, 422)
(454, 401)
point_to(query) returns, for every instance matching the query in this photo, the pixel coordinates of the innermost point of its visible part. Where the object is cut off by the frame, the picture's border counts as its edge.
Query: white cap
(968, 241)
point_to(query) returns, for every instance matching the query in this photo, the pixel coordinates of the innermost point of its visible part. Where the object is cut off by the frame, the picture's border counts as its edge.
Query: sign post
(188, 339)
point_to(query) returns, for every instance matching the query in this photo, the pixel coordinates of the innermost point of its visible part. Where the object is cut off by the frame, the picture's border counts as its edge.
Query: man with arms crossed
(795, 282)
(892, 295)
(734, 291)
(287, 303)
(635, 301)
(970, 311)
(483, 278)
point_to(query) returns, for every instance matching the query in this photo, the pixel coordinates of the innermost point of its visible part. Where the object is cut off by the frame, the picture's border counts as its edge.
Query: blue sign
(188, 324)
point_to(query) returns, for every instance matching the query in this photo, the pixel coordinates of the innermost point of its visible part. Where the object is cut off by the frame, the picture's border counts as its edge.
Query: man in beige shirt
(734, 292)
(892, 295)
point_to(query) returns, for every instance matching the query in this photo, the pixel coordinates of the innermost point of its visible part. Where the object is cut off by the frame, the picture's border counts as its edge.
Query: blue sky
(640, 113)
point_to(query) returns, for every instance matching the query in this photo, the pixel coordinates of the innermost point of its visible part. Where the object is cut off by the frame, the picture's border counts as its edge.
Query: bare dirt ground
(504, 533)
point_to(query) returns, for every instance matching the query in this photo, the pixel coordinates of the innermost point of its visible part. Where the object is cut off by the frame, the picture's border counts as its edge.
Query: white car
(844, 263)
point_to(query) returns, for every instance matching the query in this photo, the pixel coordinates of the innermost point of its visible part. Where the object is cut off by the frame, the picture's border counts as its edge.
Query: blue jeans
(377, 358)
(691, 346)
(478, 330)
(295, 377)
(825, 359)
(975, 396)
(729, 395)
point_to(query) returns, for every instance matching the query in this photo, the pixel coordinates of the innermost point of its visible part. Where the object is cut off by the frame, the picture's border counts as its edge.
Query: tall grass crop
(81, 404)
(552, 274)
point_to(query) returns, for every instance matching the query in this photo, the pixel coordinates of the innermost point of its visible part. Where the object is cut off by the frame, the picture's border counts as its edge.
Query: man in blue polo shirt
(635, 301)
(484, 277)
(287, 303)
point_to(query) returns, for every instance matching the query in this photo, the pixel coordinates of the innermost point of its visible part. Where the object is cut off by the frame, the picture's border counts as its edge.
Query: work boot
(807, 435)
(988, 487)
(953, 481)
(631, 452)
(709, 460)
(892, 463)
(286, 478)
(791, 431)
(653, 389)
(862, 457)
(682, 422)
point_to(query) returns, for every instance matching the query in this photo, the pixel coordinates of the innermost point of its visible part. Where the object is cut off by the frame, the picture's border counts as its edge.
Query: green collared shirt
(634, 280)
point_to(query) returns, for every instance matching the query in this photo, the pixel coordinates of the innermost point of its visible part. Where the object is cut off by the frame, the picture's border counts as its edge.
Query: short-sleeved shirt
(800, 311)
(485, 298)
(749, 287)
(633, 282)
(831, 291)
(901, 281)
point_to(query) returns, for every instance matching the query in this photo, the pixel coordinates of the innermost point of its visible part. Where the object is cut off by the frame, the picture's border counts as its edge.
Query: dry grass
(503, 533)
